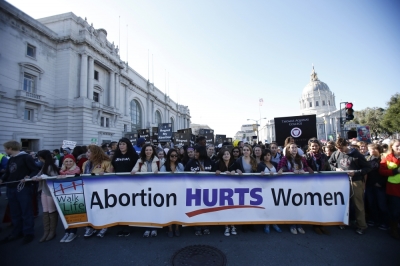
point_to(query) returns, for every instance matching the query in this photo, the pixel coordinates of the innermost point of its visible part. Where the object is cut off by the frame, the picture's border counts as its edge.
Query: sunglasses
(173, 156)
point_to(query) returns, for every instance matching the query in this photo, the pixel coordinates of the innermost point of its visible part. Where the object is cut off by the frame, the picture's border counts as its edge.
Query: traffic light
(349, 111)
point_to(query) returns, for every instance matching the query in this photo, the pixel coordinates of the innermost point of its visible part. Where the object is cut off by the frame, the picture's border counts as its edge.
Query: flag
(261, 101)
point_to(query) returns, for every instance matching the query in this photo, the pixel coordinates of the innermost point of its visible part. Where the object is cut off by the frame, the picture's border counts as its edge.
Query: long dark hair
(289, 157)
(168, 160)
(49, 165)
(221, 162)
(77, 151)
(143, 154)
(130, 152)
(202, 152)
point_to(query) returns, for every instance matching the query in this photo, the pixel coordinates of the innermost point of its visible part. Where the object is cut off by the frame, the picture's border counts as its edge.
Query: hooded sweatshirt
(18, 167)
(352, 160)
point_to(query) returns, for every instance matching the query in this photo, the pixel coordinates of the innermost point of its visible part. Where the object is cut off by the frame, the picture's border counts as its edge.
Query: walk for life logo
(71, 199)
(295, 132)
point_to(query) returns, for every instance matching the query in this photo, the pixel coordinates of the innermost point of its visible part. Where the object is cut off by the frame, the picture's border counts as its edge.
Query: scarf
(88, 167)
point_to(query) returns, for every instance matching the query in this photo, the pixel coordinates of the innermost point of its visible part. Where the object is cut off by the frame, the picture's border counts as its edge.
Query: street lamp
(258, 139)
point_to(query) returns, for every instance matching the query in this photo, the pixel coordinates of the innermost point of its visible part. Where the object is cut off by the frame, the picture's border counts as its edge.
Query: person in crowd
(147, 163)
(318, 161)
(246, 164)
(294, 162)
(57, 157)
(69, 167)
(50, 214)
(375, 194)
(211, 152)
(385, 149)
(328, 150)
(363, 148)
(390, 167)
(139, 144)
(241, 145)
(290, 140)
(105, 149)
(20, 166)
(266, 166)
(97, 163)
(124, 159)
(224, 164)
(113, 146)
(161, 156)
(354, 163)
(200, 163)
(201, 141)
(80, 156)
(172, 165)
(275, 155)
(257, 152)
(235, 153)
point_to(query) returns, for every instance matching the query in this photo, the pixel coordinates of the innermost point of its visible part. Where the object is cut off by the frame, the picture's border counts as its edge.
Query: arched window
(310, 104)
(136, 115)
(172, 125)
(316, 103)
(158, 118)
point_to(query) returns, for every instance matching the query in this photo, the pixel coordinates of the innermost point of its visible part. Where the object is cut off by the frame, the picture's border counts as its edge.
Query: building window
(96, 75)
(316, 103)
(323, 103)
(28, 114)
(125, 128)
(29, 83)
(329, 103)
(31, 51)
(310, 104)
(136, 115)
(172, 125)
(102, 121)
(96, 96)
(107, 122)
(158, 118)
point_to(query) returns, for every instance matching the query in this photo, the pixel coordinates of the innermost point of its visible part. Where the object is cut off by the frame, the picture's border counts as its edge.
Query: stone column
(127, 101)
(90, 78)
(83, 77)
(117, 93)
(112, 89)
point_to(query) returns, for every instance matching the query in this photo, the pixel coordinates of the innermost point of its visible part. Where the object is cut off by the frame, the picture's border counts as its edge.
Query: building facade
(318, 99)
(61, 79)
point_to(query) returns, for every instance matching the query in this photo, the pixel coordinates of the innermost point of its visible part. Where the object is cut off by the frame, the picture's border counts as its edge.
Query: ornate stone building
(316, 99)
(61, 79)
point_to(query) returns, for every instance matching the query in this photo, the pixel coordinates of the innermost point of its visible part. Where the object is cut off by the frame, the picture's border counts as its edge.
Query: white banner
(69, 144)
(201, 199)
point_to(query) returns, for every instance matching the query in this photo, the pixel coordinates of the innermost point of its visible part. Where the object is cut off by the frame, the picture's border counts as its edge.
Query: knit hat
(69, 156)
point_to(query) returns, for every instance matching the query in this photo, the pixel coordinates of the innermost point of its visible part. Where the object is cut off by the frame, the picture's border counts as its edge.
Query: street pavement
(342, 247)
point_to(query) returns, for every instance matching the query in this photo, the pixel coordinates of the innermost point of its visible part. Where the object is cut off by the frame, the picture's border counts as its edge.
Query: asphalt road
(342, 247)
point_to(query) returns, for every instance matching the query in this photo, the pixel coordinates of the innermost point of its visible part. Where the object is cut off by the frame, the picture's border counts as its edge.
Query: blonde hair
(392, 142)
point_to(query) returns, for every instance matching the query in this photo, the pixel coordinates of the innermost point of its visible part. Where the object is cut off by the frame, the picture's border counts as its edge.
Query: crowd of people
(373, 170)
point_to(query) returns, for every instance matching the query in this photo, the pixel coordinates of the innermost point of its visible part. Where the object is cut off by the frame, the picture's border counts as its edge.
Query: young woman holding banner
(69, 167)
(266, 166)
(224, 164)
(98, 163)
(172, 165)
(148, 162)
(124, 159)
(293, 162)
(200, 163)
(246, 164)
(50, 214)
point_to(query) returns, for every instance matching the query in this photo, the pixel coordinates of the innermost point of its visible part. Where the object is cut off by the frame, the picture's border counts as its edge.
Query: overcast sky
(223, 56)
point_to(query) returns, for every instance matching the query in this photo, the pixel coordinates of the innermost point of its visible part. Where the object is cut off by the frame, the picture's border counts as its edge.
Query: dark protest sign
(154, 135)
(219, 139)
(301, 128)
(184, 138)
(209, 138)
(164, 132)
(144, 133)
(204, 131)
(132, 137)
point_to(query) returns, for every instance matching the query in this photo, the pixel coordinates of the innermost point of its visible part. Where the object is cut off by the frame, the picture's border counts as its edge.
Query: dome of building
(316, 97)
(315, 84)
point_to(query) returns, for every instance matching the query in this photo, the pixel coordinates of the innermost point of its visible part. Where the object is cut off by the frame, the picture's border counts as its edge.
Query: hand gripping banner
(201, 199)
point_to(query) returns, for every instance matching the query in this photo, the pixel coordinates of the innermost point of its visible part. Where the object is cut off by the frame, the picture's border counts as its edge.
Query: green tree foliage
(391, 119)
(371, 117)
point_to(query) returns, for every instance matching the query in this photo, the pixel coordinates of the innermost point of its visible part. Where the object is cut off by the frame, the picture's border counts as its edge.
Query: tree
(371, 117)
(391, 119)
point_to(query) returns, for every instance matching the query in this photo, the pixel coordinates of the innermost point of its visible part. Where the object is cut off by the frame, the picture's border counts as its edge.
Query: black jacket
(323, 162)
(261, 166)
(193, 165)
(238, 165)
(18, 167)
(353, 160)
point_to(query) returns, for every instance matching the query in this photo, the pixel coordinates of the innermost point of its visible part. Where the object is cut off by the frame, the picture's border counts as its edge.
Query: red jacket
(391, 188)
